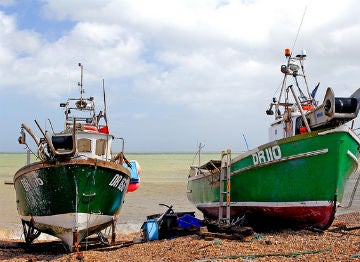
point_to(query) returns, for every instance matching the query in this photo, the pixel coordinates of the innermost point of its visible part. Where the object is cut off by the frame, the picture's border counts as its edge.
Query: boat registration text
(267, 155)
(118, 182)
(32, 183)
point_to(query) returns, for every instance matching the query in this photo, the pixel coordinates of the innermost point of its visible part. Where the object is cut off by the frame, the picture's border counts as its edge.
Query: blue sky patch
(30, 17)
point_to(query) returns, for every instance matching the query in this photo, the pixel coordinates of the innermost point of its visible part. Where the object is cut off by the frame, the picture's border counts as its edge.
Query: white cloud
(16, 43)
(221, 57)
(184, 46)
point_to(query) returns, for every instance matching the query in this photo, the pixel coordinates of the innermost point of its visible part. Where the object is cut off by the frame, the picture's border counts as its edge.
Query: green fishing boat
(298, 178)
(77, 187)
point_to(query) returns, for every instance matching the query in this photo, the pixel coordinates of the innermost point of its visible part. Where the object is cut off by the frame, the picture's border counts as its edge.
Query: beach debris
(231, 233)
(170, 224)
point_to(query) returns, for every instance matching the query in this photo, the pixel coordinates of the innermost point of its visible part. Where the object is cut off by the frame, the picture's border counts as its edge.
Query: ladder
(224, 200)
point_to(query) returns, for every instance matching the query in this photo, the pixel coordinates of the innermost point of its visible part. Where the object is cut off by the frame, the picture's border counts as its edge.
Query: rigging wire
(293, 47)
(298, 32)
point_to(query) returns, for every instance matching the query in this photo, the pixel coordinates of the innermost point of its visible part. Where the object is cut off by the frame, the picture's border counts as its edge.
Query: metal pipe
(28, 129)
(51, 146)
(300, 108)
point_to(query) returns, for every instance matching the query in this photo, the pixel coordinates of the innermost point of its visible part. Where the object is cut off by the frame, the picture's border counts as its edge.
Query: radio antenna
(298, 32)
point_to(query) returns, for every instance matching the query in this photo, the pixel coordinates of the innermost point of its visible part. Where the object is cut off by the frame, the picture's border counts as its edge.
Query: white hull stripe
(342, 128)
(353, 157)
(283, 159)
(270, 204)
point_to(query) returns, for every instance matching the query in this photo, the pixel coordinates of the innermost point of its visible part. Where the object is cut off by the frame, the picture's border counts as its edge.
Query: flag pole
(103, 85)
(106, 122)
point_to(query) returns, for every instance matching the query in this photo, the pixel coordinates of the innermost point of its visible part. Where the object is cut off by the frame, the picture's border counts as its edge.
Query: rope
(344, 231)
(293, 254)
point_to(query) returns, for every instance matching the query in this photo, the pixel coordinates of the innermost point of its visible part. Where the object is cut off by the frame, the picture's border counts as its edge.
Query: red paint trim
(318, 216)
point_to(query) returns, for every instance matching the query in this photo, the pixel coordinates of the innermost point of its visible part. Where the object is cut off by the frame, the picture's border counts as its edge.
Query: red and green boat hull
(83, 196)
(296, 180)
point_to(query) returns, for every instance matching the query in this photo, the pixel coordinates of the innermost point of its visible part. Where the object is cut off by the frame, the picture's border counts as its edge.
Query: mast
(105, 116)
(80, 84)
(200, 147)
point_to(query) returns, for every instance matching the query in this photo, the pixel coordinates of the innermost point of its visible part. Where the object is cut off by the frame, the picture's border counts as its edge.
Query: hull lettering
(118, 182)
(267, 155)
(32, 183)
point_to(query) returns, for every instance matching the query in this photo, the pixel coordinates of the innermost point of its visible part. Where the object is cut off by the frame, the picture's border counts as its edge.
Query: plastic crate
(188, 221)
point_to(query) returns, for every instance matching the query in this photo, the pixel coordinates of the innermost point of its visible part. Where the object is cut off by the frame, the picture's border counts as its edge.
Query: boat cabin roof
(211, 165)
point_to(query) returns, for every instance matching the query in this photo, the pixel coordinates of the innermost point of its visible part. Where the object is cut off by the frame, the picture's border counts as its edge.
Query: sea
(163, 180)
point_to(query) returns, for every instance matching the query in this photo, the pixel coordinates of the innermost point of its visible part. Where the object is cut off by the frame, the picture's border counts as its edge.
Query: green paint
(295, 176)
(52, 190)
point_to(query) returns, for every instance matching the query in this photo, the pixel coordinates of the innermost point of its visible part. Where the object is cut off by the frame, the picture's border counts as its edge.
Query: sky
(177, 72)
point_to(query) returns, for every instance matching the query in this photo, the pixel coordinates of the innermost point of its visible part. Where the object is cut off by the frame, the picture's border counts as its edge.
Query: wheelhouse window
(100, 147)
(84, 145)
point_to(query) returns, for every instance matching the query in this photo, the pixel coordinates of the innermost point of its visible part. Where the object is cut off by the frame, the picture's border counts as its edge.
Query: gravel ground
(341, 242)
